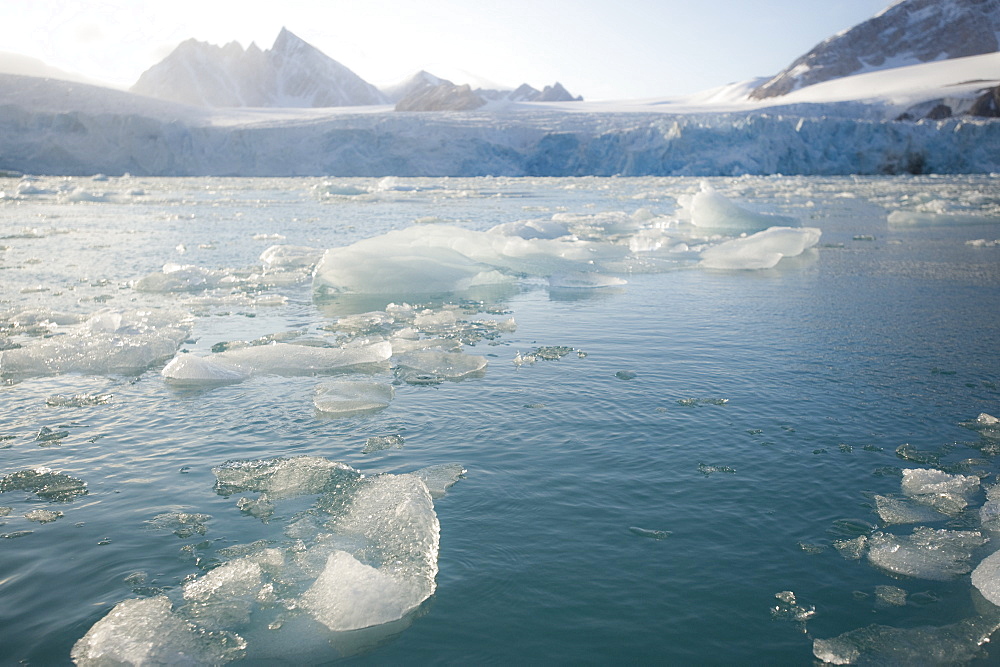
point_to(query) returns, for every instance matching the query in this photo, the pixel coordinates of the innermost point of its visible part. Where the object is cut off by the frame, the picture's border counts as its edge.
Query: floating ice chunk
(182, 278)
(435, 319)
(226, 595)
(583, 280)
(939, 555)
(192, 369)
(929, 219)
(275, 359)
(852, 549)
(989, 515)
(986, 577)
(181, 524)
(120, 342)
(890, 596)
(377, 443)
(148, 632)
(445, 365)
(440, 478)
(983, 243)
(533, 229)
(42, 516)
(44, 483)
(350, 595)
(946, 493)
(78, 400)
(352, 397)
(281, 477)
(762, 250)
(898, 511)
(290, 256)
(710, 210)
(436, 259)
(954, 644)
(650, 533)
(394, 572)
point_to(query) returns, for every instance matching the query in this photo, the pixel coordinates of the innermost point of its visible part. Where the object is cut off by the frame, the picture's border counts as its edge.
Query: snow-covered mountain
(907, 33)
(292, 73)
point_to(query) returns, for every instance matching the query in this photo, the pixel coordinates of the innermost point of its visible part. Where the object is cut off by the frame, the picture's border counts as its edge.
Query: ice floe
(352, 397)
(927, 553)
(953, 644)
(762, 250)
(236, 365)
(710, 210)
(110, 341)
(431, 364)
(44, 483)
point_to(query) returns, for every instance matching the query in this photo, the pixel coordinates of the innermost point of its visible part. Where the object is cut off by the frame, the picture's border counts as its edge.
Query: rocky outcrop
(987, 105)
(907, 33)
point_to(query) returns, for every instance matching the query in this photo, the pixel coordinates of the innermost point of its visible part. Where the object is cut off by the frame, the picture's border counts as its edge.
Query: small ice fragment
(789, 609)
(448, 365)
(181, 524)
(281, 477)
(78, 400)
(890, 596)
(379, 442)
(46, 434)
(290, 256)
(945, 492)
(707, 470)
(440, 478)
(344, 398)
(852, 549)
(42, 516)
(626, 375)
(894, 511)
(44, 483)
(651, 534)
(580, 280)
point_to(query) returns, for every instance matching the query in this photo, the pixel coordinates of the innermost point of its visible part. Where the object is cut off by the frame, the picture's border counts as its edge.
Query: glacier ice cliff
(59, 128)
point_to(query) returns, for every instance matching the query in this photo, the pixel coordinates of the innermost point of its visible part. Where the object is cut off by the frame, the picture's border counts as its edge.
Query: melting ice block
(944, 492)
(445, 365)
(762, 250)
(273, 359)
(986, 577)
(110, 341)
(352, 397)
(938, 555)
(148, 632)
(290, 256)
(436, 259)
(710, 210)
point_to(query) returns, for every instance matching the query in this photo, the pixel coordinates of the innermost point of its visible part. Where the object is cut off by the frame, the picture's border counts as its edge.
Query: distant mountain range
(293, 73)
(899, 93)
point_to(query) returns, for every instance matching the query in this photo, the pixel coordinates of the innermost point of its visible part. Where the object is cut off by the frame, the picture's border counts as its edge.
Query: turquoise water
(643, 498)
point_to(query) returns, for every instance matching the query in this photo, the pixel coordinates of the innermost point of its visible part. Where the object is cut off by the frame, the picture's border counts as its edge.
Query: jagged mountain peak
(907, 32)
(292, 73)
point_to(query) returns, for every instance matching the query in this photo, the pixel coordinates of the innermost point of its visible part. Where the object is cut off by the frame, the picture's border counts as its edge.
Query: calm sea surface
(708, 439)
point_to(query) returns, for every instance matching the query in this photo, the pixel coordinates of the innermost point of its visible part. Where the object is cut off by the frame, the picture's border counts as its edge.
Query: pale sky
(601, 49)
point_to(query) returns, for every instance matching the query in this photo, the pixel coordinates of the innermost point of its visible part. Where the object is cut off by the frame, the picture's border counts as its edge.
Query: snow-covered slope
(15, 63)
(907, 33)
(291, 73)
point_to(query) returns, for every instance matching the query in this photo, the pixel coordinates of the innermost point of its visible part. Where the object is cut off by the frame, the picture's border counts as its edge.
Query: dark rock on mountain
(907, 33)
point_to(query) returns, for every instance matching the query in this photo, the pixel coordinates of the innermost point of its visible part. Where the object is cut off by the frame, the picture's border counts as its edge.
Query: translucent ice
(352, 397)
(78, 400)
(898, 510)
(181, 524)
(290, 256)
(182, 278)
(945, 492)
(44, 483)
(148, 632)
(986, 577)
(954, 644)
(446, 365)
(42, 516)
(392, 517)
(583, 280)
(939, 555)
(281, 477)
(710, 210)
(110, 341)
(377, 443)
(440, 478)
(275, 359)
(762, 250)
